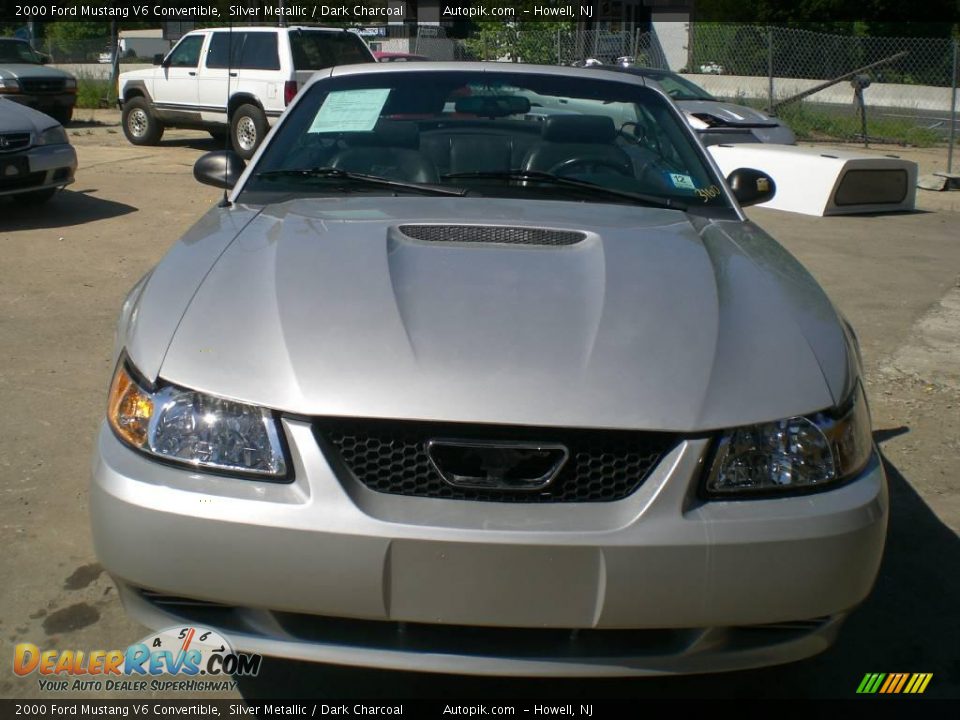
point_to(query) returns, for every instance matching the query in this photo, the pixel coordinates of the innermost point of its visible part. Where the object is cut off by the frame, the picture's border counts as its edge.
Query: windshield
(677, 87)
(490, 133)
(16, 51)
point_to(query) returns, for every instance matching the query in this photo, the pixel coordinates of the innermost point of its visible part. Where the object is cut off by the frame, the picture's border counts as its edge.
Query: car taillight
(289, 91)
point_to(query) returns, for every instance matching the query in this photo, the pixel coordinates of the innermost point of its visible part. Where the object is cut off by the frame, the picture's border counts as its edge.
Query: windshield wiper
(539, 176)
(340, 174)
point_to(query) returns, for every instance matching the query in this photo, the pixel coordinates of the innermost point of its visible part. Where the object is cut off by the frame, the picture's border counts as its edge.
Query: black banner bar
(874, 707)
(446, 12)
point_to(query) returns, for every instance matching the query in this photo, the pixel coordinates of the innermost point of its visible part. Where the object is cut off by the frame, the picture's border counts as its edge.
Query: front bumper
(45, 103)
(325, 570)
(47, 166)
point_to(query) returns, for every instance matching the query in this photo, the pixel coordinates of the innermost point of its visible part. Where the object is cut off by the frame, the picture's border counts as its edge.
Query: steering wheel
(565, 167)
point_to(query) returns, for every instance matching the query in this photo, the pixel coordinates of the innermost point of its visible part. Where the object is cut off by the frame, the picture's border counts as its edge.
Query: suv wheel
(139, 124)
(247, 129)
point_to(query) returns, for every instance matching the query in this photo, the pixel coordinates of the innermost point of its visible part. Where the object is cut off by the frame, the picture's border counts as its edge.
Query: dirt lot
(67, 267)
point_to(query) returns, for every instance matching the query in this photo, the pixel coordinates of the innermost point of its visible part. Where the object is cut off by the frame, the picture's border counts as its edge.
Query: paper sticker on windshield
(350, 111)
(684, 182)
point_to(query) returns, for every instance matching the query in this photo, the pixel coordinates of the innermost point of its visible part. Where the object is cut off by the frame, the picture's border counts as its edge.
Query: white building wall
(672, 31)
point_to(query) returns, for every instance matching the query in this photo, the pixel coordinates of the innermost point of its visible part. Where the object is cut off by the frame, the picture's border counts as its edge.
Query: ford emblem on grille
(496, 465)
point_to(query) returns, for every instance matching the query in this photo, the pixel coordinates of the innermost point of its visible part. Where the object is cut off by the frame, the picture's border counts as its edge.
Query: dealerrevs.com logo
(201, 658)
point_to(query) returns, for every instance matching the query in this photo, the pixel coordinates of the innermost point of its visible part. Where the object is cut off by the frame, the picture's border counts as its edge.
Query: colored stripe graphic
(903, 680)
(871, 683)
(894, 683)
(891, 681)
(898, 680)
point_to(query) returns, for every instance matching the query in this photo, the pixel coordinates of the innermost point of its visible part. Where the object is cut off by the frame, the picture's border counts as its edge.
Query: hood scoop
(496, 234)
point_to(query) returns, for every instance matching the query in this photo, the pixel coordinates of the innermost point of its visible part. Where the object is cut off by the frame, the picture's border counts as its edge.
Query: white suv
(237, 81)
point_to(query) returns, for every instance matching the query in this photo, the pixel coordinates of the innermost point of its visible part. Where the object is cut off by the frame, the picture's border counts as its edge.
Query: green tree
(516, 41)
(74, 41)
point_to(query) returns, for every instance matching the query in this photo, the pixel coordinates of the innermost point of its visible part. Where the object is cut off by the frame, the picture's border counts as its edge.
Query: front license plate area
(12, 168)
(494, 585)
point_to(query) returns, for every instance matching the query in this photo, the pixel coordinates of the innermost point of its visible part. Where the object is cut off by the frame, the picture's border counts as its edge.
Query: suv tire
(248, 126)
(139, 124)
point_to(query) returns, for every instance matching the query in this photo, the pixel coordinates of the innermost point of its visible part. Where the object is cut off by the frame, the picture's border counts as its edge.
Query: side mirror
(158, 59)
(221, 168)
(751, 187)
(44, 59)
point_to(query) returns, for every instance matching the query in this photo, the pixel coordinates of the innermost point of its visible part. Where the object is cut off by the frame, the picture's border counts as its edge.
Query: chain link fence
(515, 42)
(887, 89)
(87, 51)
(897, 90)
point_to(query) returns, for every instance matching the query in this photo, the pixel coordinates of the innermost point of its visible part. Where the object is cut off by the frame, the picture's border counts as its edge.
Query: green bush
(95, 92)
(813, 124)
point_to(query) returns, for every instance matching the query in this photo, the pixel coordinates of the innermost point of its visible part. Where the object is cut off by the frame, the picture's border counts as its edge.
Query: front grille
(22, 181)
(390, 457)
(34, 85)
(492, 642)
(10, 142)
(491, 234)
(475, 640)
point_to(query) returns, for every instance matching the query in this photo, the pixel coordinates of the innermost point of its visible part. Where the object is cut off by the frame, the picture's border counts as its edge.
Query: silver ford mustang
(456, 382)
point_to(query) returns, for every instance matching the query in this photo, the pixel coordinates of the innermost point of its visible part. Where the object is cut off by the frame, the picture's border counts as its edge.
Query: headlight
(53, 136)
(70, 84)
(795, 454)
(9, 85)
(195, 429)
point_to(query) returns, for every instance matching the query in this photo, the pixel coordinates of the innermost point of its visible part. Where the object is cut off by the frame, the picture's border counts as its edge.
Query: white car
(712, 68)
(237, 81)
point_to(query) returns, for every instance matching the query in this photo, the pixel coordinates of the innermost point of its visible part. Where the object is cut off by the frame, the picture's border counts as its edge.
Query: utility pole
(953, 104)
(115, 44)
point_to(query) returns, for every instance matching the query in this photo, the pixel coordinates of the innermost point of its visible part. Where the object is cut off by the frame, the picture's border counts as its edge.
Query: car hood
(15, 117)
(657, 319)
(730, 113)
(143, 74)
(29, 70)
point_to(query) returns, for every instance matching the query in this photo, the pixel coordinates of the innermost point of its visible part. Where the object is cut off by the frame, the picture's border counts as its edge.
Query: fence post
(559, 62)
(953, 107)
(769, 69)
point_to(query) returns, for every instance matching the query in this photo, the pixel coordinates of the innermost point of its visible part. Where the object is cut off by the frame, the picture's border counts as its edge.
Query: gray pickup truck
(24, 79)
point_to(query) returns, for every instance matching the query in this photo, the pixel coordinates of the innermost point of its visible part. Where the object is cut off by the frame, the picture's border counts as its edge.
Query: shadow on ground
(66, 209)
(908, 624)
(204, 143)
(80, 123)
